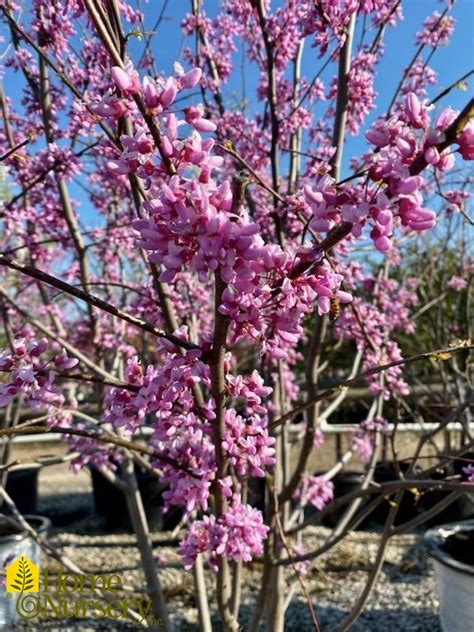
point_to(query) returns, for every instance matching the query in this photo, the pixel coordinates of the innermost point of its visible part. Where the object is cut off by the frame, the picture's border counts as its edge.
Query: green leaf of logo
(23, 578)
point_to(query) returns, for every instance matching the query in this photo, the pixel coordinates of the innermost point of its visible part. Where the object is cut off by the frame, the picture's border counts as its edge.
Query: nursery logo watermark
(69, 595)
(22, 576)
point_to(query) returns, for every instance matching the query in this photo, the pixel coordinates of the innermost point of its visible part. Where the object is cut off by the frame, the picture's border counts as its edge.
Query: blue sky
(450, 62)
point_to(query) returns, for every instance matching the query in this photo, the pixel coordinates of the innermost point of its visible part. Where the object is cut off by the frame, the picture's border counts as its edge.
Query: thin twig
(438, 354)
(102, 437)
(94, 301)
(312, 612)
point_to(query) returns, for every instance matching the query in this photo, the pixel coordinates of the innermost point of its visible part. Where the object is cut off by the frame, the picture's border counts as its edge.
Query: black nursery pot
(110, 503)
(22, 487)
(256, 493)
(344, 483)
(461, 509)
(409, 507)
(464, 506)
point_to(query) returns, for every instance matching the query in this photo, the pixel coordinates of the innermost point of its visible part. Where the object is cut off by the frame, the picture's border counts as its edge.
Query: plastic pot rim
(436, 537)
(45, 524)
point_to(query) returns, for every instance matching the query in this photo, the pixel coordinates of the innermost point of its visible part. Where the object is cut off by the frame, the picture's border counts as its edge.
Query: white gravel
(404, 598)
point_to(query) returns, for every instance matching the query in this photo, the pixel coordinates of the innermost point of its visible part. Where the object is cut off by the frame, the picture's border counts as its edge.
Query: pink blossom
(31, 376)
(125, 79)
(237, 535)
(194, 116)
(248, 444)
(466, 142)
(446, 118)
(457, 283)
(469, 471)
(416, 112)
(191, 78)
(363, 441)
(316, 490)
(436, 31)
(318, 438)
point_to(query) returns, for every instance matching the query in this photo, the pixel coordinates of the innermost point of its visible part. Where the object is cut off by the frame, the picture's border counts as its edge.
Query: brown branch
(94, 301)
(440, 354)
(71, 349)
(312, 371)
(227, 147)
(221, 326)
(342, 98)
(14, 149)
(447, 90)
(259, 5)
(312, 612)
(383, 489)
(102, 437)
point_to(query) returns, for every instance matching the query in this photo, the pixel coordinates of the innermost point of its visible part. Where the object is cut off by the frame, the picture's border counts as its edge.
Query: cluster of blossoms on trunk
(238, 535)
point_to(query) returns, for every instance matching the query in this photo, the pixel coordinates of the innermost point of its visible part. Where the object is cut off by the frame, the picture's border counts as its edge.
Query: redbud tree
(238, 278)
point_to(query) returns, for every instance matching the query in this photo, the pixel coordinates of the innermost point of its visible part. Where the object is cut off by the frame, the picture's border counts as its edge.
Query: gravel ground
(404, 598)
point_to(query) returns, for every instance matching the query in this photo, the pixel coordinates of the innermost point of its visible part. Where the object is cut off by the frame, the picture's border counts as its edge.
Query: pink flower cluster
(237, 535)
(466, 141)
(374, 323)
(165, 397)
(420, 76)
(457, 200)
(31, 375)
(191, 447)
(246, 440)
(89, 451)
(160, 390)
(191, 225)
(400, 203)
(400, 142)
(469, 471)
(219, 34)
(457, 283)
(363, 440)
(437, 30)
(247, 444)
(315, 490)
(158, 94)
(127, 407)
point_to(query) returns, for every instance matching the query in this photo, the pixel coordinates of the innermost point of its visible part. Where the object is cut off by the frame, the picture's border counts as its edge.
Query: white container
(12, 546)
(455, 578)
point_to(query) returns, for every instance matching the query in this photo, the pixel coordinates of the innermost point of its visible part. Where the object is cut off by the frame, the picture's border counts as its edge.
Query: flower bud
(150, 93)
(191, 78)
(466, 142)
(39, 348)
(121, 79)
(169, 93)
